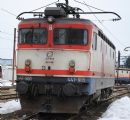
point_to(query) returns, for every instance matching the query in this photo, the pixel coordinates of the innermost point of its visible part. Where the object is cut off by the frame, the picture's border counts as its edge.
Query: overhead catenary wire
(115, 38)
(11, 26)
(44, 6)
(6, 33)
(5, 25)
(90, 6)
(9, 12)
(6, 38)
(119, 18)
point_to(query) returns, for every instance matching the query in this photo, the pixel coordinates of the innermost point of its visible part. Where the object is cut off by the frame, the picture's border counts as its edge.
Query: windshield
(32, 36)
(70, 36)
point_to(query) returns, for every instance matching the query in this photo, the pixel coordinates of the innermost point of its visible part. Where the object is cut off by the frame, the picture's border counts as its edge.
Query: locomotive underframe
(53, 104)
(56, 95)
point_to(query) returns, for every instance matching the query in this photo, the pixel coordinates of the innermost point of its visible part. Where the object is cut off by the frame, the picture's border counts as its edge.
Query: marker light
(72, 67)
(71, 70)
(28, 66)
(28, 69)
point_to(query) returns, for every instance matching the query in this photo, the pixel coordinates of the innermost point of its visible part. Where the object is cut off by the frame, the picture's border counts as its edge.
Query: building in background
(6, 62)
(6, 69)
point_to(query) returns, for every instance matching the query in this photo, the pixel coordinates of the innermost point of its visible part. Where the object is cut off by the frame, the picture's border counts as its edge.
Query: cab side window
(94, 42)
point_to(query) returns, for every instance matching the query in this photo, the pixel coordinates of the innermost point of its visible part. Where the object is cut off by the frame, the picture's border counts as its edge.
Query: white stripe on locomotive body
(60, 59)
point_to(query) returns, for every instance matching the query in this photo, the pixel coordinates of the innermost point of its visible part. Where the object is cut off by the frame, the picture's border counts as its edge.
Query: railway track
(119, 91)
(8, 96)
(7, 93)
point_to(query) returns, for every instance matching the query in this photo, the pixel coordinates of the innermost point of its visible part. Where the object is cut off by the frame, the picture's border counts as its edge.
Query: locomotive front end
(58, 70)
(53, 60)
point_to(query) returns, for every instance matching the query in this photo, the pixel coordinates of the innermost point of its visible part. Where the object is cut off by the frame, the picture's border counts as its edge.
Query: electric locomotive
(63, 63)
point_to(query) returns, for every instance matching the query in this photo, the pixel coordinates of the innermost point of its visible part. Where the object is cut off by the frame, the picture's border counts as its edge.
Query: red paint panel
(32, 25)
(53, 72)
(72, 25)
(62, 72)
(39, 46)
(50, 35)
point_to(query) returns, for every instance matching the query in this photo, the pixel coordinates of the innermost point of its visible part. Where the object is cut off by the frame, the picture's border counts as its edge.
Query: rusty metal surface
(53, 104)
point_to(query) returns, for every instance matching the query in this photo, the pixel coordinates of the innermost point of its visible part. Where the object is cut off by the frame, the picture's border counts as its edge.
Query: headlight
(51, 19)
(27, 62)
(72, 63)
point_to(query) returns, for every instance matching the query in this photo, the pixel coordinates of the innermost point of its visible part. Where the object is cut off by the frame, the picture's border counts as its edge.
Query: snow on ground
(5, 83)
(118, 110)
(10, 106)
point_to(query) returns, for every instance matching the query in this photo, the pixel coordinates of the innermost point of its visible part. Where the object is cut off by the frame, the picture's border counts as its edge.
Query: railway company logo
(49, 54)
(50, 57)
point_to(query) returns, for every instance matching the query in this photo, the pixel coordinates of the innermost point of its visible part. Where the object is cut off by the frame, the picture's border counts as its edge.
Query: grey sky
(120, 30)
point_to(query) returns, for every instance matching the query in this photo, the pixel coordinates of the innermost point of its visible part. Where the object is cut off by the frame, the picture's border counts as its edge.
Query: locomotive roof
(59, 20)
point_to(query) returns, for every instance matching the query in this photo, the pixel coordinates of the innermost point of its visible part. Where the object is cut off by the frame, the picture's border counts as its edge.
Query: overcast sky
(118, 32)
